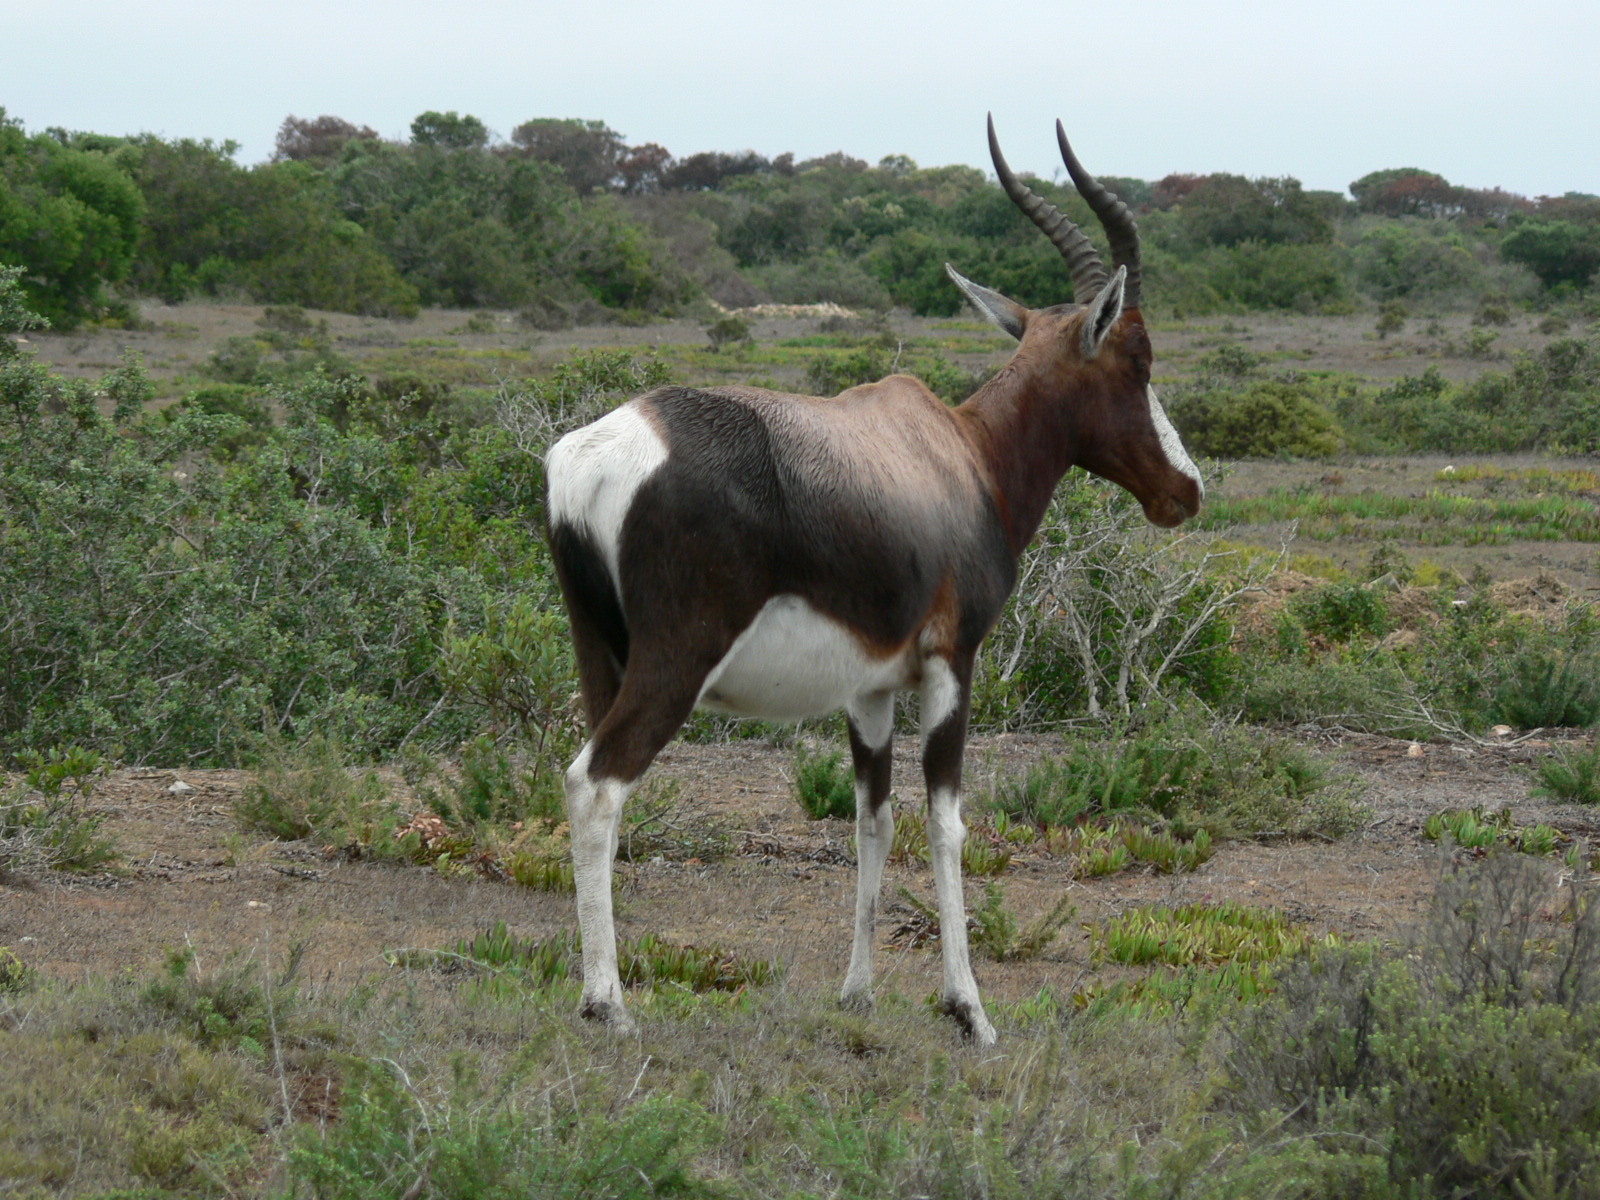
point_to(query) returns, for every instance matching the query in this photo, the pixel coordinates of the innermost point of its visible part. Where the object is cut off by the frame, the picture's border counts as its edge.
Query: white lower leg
(874, 838)
(872, 725)
(594, 809)
(945, 835)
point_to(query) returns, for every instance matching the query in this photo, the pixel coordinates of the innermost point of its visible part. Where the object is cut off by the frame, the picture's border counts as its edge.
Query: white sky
(1484, 93)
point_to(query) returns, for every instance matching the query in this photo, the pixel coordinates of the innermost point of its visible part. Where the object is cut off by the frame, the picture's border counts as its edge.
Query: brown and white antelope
(781, 556)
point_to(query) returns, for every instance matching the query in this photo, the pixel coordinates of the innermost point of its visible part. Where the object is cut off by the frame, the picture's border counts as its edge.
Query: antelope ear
(1006, 313)
(1102, 313)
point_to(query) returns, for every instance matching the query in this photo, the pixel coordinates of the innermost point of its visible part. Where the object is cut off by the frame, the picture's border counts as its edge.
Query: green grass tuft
(823, 784)
(1571, 774)
(1199, 934)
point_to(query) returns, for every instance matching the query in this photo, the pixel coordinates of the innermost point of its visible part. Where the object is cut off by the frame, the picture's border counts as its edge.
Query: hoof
(970, 1017)
(860, 1003)
(608, 1013)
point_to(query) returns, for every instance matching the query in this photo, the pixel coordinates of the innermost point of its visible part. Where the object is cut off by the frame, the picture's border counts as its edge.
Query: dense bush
(274, 232)
(1263, 418)
(70, 217)
(1549, 400)
(1468, 666)
(569, 222)
(1465, 1066)
(179, 583)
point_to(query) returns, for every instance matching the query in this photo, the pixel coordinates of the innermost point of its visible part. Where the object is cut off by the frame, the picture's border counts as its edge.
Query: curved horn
(1114, 216)
(1088, 272)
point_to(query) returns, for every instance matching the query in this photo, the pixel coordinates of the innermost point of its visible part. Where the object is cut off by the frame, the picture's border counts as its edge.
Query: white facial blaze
(594, 472)
(1171, 443)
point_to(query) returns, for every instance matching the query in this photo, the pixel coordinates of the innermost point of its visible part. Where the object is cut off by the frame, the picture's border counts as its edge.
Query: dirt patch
(190, 877)
(1544, 597)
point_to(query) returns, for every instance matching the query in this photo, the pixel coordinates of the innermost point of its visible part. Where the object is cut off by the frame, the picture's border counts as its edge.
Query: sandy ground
(190, 876)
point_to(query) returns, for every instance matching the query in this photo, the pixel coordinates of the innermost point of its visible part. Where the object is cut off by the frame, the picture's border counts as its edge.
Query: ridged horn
(1088, 272)
(1120, 228)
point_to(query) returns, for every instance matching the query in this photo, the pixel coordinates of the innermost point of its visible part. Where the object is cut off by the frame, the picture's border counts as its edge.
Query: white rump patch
(793, 662)
(594, 472)
(1171, 443)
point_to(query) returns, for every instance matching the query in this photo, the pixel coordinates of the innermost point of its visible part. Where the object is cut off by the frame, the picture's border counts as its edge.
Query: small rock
(1415, 750)
(180, 788)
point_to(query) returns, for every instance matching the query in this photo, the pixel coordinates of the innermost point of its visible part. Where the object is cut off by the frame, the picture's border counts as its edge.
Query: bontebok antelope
(781, 556)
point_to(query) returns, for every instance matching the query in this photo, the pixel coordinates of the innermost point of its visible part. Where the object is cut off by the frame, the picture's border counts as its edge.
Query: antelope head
(1094, 355)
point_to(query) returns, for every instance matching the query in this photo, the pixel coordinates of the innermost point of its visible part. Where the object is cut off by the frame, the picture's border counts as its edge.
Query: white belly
(793, 662)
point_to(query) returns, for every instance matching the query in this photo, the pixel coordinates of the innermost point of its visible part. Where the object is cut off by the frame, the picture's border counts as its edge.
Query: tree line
(566, 221)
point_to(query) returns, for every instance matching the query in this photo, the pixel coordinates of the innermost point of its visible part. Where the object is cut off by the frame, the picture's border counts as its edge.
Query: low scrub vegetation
(1188, 771)
(1421, 662)
(1474, 829)
(45, 818)
(1459, 1062)
(1464, 1065)
(1547, 400)
(1199, 934)
(1570, 773)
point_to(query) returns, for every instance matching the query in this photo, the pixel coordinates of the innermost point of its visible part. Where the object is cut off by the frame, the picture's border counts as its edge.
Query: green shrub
(1392, 316)
(829, 374)
(45, 822)
(1190, 771)
(1541, 684)
(15, 975)
(519, 668)
(236, 1004)
(1549, 399)
(1465, 1064)
(1266, 418)
(170, 607)
(1199, 934)
(823, 784)
(728, 329)
(1340, 612)
(1571, 774)
(308, 790)
(70, 221)
(492, 785)
(240, 402)
(997, 933)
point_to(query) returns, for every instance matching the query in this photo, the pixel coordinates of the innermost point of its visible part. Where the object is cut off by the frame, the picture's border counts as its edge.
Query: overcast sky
(1486, 94)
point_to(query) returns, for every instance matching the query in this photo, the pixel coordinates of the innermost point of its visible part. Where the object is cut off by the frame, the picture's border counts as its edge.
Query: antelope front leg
(594, 809)
(945, 696)
(871, 739)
